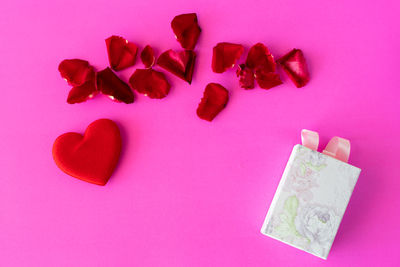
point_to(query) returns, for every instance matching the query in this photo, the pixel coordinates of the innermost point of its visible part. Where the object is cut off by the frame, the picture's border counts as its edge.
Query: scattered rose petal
(214, 100)
(225, 56)
(295, 66)
(260, 57)
(147, 56)
(246, 77)
(76, 71)
(266, 79)
(186, 29)
(121, 53)
(83, 92)
(180, 64)
(150, 82)
(112, 86)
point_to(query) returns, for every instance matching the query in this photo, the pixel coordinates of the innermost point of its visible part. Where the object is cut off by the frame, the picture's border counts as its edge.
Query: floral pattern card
(310, 201)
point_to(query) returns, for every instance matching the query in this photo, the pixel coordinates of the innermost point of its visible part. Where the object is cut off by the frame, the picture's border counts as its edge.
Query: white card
(310, 201)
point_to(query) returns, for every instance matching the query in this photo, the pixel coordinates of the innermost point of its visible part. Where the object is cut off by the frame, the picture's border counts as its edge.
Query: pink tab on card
(338, 148)
(310, 139)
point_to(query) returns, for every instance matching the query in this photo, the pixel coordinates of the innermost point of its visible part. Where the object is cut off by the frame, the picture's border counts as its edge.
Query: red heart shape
(91, 157)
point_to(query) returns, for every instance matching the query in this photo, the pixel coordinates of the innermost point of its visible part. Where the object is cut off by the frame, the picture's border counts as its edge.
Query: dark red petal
(76, 71)
(295, 66)
(186, 29)
(246, 77)
(150, 82)
(214, 100)
(121, 53)
(147, 57)
(266, 79)
(110, 85)
(82, 92)
(260, 57)
(179, 63)
(225, 56)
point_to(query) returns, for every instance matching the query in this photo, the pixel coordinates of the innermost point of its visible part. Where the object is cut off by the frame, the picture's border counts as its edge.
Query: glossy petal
(225, 56)
(186, 29)
(76, 71)
(109, 84)
(121, 53)
(260, 57)
(147, 56)
(150, 82)
(267, 80)
(180, 64)
(82, 92)
(214, 100)
(246, 77)
(295, 66)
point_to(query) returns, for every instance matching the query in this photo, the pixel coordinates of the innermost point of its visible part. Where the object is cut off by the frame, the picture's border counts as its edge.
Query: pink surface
(188, 192)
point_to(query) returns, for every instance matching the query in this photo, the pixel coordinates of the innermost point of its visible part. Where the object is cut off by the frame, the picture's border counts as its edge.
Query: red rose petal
(109, 84)
(246, 77)
(225, 56)
(214, 100)
(121, 53)
(295, 66)
(76, 71)
(180, 64)
(82, 92)
(260, 57)
(266, 79)
(147, 57)
(186, 29)
(150, 82)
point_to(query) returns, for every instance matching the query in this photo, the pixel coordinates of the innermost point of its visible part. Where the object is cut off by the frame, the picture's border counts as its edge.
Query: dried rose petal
(186, 29)
(294, 64)
(76, 71)
(150, 82)
(266, 79)
(180, 64)
(260, 57)
(109, 84)
(121, 53)
(82, 92)
(214, 100)
(147, 56)
(225, 56)
(246, 77)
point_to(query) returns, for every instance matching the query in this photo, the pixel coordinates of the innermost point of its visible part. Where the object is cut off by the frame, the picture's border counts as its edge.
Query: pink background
(188, 192)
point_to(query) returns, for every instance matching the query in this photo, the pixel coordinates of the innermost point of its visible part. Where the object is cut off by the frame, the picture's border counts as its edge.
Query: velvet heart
(76, 71)
(295, 66)
(109, 84)
(225, 56)
(214, 100)
(147, 56)
(121, 53)
(186, 29)
(180, 64)
(150, 82)
(91, 157)
(246, 77)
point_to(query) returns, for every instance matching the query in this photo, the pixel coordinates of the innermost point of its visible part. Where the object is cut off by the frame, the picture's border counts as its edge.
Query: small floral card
(310, 201)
